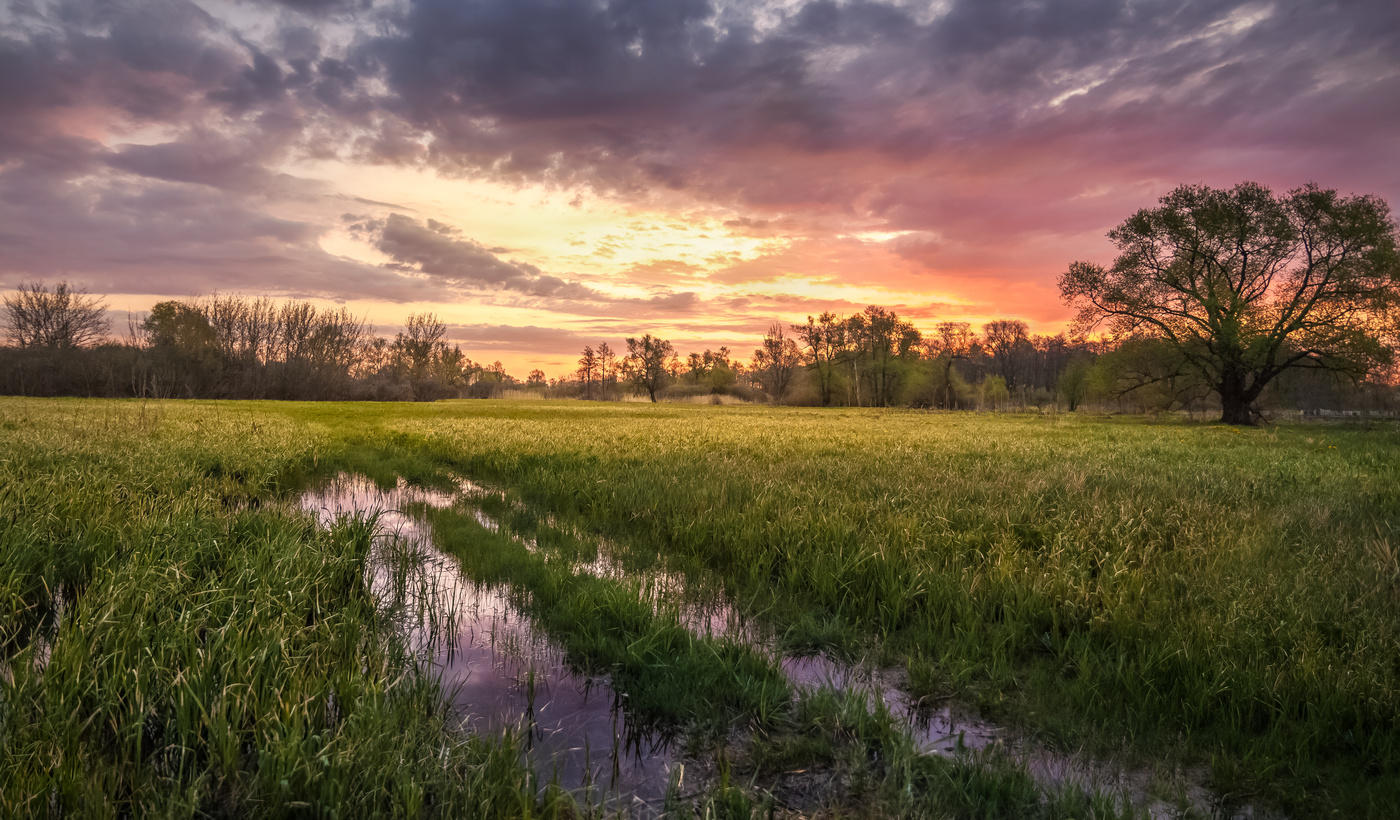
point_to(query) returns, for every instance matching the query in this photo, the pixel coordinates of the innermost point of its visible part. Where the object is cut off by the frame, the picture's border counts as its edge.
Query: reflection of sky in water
(497, 671)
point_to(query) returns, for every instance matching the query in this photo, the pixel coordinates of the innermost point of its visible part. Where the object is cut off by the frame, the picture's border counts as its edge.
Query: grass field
(1194, 603)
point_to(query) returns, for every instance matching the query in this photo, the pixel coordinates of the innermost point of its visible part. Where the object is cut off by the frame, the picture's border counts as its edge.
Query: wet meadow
(568, 609)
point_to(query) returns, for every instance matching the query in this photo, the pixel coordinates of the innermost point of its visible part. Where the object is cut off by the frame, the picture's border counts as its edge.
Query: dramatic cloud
(550, 162)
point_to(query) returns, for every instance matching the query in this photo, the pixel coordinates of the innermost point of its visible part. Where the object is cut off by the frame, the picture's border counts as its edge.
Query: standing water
(497, 672)
(937, 728)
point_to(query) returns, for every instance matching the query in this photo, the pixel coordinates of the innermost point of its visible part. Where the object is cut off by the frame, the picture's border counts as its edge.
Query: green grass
(1171, 594)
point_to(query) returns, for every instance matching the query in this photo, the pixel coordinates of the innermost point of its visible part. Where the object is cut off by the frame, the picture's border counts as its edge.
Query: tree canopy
(646, 363)
(1244, 285)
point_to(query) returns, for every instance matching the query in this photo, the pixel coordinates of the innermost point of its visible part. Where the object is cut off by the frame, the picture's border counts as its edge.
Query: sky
(545, 174)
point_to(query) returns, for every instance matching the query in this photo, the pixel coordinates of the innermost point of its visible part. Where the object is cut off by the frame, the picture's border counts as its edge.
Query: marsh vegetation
(564, 609)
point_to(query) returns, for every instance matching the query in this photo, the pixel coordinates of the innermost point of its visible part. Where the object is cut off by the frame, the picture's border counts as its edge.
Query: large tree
(1244, 285)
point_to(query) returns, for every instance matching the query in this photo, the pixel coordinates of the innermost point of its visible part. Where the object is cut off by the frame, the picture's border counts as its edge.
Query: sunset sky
(545, 174)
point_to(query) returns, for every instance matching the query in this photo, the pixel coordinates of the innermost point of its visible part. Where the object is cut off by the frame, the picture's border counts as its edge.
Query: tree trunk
(1235, 400)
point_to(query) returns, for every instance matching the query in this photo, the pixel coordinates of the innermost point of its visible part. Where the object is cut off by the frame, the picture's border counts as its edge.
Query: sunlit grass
(1219, 596)
(1181, 595)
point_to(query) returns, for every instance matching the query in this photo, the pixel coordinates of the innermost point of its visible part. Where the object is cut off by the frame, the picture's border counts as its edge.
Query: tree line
(876, 359)
(60, 343)
(1233, 299)
(1220, 300)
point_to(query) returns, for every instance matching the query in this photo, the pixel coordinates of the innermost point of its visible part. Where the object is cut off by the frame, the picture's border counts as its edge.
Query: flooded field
(496, 670)
(500, 672)
(563, 611)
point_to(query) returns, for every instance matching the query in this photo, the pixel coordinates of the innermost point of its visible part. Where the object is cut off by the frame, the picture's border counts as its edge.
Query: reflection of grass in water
(216, 658)
(669, 676)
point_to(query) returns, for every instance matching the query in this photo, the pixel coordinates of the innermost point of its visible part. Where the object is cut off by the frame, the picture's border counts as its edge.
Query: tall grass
(1178, 594)
(213, 656)
(1195, 593)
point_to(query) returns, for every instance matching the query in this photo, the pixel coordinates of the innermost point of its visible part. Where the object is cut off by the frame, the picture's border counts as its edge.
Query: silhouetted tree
(776, 362)
(607, 367)
(646, 364)
(417, 342)
(587, 370)
(58, 319)
(1243, 285)
(1004, 339)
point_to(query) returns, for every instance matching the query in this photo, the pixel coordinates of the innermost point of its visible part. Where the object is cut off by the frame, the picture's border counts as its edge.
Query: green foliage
(1199, 593)
(171, 651)
(992, 393)
(1242, 285)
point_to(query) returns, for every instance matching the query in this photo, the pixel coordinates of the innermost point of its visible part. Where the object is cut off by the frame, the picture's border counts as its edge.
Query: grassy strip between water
(1177, 593)
(862, 762)
(208, 658)
(1185, 595)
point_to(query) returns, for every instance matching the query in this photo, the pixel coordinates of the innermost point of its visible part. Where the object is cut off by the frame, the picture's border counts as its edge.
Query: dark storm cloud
(970, 125)
(858, 103)
(132, 235)
(315, 7)
(182, 216)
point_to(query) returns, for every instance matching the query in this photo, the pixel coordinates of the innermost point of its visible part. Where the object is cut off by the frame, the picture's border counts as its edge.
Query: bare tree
(418, 341)
(60, 318)
(776, 362)
(607, 367)
(1004, 338)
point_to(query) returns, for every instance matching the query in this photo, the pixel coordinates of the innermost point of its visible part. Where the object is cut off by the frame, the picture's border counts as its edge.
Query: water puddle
(948, 731)
(499, 672)
(496, 670)
(701, 609)
(938, 728)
